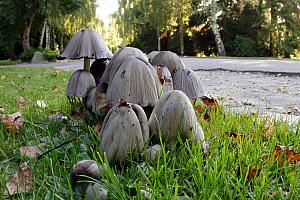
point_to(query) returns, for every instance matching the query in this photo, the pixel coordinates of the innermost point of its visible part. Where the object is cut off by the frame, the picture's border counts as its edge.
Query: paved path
(288, 67)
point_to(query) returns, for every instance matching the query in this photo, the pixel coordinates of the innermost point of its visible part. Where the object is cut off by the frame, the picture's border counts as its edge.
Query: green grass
(183, 172)
(9, 62)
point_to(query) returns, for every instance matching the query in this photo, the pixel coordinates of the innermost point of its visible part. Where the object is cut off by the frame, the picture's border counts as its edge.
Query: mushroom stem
(86, 64)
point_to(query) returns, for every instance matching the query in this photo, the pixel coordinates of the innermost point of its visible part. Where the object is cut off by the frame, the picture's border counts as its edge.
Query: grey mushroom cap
(117, 60)
(135, 81)
(175, 114)
(86, 43)
(170, 60)
(80, 83)
(189, 82)
(124, 130)
(152, 54)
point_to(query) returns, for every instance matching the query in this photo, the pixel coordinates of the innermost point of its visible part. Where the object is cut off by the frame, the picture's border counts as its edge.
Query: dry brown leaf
(13, 122)
(233, 136)
(210, 102)
(20, 181)
(252, 173)
(200, 109)
(55, 88)
(97, 128)
(282, 90)
(268, 130)
(21, 101)
(31, 152)
(290, 155)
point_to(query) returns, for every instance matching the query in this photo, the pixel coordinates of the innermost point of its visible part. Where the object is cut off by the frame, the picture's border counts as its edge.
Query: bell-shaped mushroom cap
(152, 54)
(174, 114)
(135, 81)
(117, 60)
(124, 130)
(80, 83)
(188, 82)
(96, 99)
(86, 43)
(168, 59)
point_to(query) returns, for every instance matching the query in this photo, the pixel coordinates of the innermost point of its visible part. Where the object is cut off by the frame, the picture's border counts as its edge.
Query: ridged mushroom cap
(175, 114)
(117, 60)
(168, 59)
(124, 130)
(80, 83)
(188, 82)
(152, 54)
(135, 81)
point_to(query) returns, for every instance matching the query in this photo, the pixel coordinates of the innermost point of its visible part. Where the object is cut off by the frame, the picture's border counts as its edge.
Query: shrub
(244, 47)
(27, 54)
(49, 54)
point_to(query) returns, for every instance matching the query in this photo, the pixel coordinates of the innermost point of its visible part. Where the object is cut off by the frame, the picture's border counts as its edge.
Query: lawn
(241, 165)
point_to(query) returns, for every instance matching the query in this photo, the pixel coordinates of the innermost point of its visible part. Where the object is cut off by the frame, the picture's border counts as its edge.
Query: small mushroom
(78, 86)
(188, 82)
(170, 60)
(117, 60)
(174, 114)
(135, 81)
(95, 191)
(124, 131)
(151, 55)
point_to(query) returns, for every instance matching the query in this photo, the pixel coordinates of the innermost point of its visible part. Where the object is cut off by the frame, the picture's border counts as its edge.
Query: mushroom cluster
(139, 102)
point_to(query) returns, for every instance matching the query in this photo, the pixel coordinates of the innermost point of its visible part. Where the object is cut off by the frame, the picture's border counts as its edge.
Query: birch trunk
(43, 28)
(216, 32)
(181, 38)
(158, 39)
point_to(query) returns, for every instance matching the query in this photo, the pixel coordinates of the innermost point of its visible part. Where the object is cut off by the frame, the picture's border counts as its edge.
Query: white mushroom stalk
(172, 115)
(124, 131)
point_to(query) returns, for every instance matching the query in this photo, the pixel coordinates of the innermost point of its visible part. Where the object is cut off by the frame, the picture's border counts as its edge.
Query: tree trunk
(214, 27)
(61, 46)
(181, 37)
(26, 33)
(43, 27)
(271, 33)
(47, 37)
(158, 39)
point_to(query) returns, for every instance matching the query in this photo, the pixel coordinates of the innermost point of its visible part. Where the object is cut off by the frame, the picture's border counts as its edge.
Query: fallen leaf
(79, 116)
(206, 117)
(282, 90)
(268, 130)
(282, 152)
(233, 136)
(210, 102)
(31, 152)
(252, 173)
(41, 103)
(13, 122)
(97, 128)
(20, 181)
(21, 101)
(55, 88)
(199, 108)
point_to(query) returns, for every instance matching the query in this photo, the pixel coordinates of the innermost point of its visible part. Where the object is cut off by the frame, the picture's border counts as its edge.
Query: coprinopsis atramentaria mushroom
(136, 82)
(187, 81)
(79, 84)
(172, 115)
(124, 131)
(168, 59)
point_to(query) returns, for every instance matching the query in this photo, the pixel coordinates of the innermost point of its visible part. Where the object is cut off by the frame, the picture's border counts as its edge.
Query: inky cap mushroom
(168, 59)
(174, 114)
(136, 81)
(188, 82)
(117, 60)
(80, 83)
(124, 130)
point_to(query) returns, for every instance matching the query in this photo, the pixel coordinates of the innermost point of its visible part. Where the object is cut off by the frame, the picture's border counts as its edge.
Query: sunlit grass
(184, 172)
